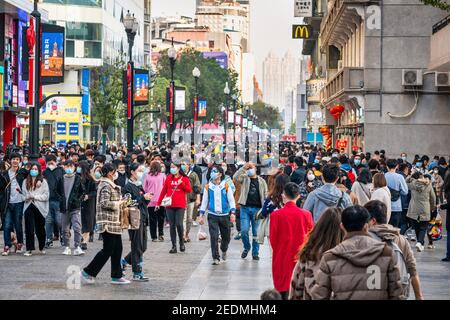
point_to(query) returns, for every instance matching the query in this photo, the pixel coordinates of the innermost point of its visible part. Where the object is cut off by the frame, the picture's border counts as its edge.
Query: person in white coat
(381, 192)
(36, 207)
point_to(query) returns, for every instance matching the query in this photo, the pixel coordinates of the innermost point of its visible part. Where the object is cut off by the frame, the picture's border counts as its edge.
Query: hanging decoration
(337, 110)
(326, 133)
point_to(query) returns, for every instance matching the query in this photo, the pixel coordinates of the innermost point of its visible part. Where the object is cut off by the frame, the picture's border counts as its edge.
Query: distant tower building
(272, 81)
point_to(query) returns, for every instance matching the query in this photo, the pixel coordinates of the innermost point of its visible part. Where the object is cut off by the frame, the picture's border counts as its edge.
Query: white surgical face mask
(116, 176)
(51, 167)
(311, 177)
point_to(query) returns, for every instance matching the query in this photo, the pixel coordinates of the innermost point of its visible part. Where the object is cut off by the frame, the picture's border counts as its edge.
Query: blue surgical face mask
(98, 175)
(418, 164)
(69, 171)
(79, 170)
(214, 175)
(174, 171)
(251, 172)
(357, 162)
(163, 169)
(316, 161)
(184, 168)
(34, 173)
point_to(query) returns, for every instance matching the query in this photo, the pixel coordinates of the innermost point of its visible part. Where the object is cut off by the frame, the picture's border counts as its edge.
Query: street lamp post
(172, 53)
(131, 26)
(34, 40)
(196, 73)
(226, 91)
(234, 123)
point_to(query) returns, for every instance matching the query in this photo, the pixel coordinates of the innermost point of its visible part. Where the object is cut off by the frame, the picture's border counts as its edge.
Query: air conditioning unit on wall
(442, 79)
(412, 77)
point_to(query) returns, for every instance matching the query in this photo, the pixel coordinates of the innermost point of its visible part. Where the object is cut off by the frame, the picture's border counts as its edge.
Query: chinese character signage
(73, 129)
(313, 88)
(61, 128)
(180, 99)
(52, 66)
(141, 87)
(201, 108)
(303, 8)
(302, 31)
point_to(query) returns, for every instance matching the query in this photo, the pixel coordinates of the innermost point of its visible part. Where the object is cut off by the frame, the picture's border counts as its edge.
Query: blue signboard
(220, 57)
(310, 137)
(61, 128)
(61, 142)
(85, 80)
(73, 129)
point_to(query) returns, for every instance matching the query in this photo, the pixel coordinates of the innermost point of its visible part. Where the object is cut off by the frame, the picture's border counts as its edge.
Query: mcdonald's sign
(302, 31)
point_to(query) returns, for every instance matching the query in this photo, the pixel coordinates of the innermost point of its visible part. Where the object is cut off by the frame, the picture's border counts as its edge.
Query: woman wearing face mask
(362, 187)
(176, 187)
(153, 184)
(138, 237)
(193, 199)
(307, 186)
(36, 194)
(108, 206)
(438, 183)
(87, 204)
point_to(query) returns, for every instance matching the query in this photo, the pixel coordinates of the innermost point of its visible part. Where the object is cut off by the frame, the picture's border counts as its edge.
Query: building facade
(378, 90)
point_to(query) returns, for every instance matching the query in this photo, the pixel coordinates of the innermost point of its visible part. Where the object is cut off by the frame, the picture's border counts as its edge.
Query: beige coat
(423, 199)
(359, 268)
(384, 195)
(362, 192)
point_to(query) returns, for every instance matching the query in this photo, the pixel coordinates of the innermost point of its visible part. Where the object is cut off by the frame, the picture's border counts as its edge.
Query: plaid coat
(108, 207)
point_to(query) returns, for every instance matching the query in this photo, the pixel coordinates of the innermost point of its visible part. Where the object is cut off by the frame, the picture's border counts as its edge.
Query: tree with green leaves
(108, 109)
(210, 84)
(440, 4)
(267, 113)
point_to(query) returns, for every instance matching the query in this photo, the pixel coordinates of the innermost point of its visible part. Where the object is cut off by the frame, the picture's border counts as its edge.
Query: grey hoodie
(325, 197)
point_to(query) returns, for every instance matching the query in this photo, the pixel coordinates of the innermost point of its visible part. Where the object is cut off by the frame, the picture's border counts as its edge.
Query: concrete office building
(379, 71)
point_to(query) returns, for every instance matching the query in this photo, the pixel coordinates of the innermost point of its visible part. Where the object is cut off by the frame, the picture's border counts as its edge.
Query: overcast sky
(271, 25)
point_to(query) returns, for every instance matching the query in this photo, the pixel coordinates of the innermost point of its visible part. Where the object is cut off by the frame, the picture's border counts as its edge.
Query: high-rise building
(272, 81)
(147, 32)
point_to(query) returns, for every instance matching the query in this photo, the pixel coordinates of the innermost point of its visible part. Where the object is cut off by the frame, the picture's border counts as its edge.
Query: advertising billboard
(73, 129)
(61, 128)
(141, 87)
(302, 31)
(201, 108)
(220, 57)
(52, 51)
(180, 99)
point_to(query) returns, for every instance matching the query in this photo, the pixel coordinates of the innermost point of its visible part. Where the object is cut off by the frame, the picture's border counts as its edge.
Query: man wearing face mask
(404, 158)
(71, 208)
(54, 176)
(122, 175)
(253, 193)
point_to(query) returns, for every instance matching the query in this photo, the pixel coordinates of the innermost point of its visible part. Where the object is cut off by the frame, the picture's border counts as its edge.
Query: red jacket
(289, 227)
(179, 194)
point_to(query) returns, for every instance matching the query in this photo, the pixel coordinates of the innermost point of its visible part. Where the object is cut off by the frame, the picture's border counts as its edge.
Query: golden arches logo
(301, 31)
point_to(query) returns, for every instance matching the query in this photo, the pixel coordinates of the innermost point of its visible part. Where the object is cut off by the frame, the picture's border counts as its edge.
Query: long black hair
(107, 168)
(85, 170)
(133, 167)
(364, 176)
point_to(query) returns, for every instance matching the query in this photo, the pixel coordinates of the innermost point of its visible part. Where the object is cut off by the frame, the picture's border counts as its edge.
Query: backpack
(401, 263)
(395, 194)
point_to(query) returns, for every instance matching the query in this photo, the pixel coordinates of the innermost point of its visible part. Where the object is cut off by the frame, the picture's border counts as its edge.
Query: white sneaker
(43, 252)
(28, 254)
(67, 251)
(431, 246)
(78, 252)
(195, 224)
(419, 247)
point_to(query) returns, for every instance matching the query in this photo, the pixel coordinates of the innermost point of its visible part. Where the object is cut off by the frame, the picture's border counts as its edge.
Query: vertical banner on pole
(129, 82)
(31, 40)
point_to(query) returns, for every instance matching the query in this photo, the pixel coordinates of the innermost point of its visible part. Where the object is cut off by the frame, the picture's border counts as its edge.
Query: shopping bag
(201, 235)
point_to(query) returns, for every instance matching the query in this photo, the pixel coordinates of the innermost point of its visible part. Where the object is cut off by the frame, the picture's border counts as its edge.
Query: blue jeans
(13, 222)
(248, 215)
(54, 216)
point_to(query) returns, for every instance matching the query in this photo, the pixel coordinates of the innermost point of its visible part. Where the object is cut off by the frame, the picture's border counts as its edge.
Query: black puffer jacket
(5, 187)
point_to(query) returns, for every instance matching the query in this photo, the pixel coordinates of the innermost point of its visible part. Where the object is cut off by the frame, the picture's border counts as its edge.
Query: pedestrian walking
(138, 237)
(88, 203)
(153, 184)
(36, 207)
(218, 201)
(253, 192)
(311, 183)
(344, 271)
(175, 189)
(193, 199)
(381, 192)
(327, 195)
(12, 203)
(362, 187)
(74, 193)
(423, 202)
(288, 229)
(109, 203)
(397, 187)
(325, 235)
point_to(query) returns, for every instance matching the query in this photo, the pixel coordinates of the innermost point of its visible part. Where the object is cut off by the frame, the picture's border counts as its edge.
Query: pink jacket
(154, 184)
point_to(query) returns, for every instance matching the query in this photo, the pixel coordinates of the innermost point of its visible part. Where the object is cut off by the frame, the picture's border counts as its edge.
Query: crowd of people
(329, 217)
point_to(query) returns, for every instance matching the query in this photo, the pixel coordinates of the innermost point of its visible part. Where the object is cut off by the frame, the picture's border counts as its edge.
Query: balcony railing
(345, 80)
(334, 16)
(440, 46)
